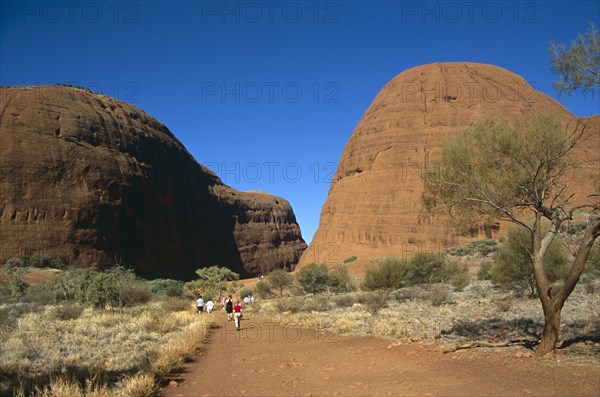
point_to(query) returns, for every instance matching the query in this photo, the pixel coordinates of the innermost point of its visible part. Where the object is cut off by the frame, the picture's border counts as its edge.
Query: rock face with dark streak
(374, 199)
(89, 178)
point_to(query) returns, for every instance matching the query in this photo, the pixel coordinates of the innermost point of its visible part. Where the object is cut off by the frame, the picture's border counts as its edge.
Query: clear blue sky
(267, 93)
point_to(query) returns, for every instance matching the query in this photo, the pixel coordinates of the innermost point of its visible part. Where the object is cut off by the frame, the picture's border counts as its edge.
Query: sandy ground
(264, 359)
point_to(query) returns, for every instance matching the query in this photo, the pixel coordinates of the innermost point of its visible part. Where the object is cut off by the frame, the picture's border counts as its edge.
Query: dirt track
(268, 360)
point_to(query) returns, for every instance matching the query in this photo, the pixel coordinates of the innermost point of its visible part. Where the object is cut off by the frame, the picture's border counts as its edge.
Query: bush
(485, 269)
(374, 300)
(423, 268)
(67, 312)
(244, 292)
(505, 303)
(339, 280)
(460, 281)
(102, 291)
(438, 295)
(313, 278)
(167, 287)
(345, 300)
(43, 294)
(392, 273)
(175, 304)
(13, 289)
(135, 293)
(291, 304)
(34, 260)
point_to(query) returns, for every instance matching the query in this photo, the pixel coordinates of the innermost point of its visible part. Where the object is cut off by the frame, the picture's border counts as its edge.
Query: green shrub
(423, 268)
(102, 291)
(43, 294)
(13, 289)
(67, 311)
(313, 278)
(485, 269)
(438, 294)
(460, 281)
(244, 292)
(167, 287)
(176, 304)
(339, 280)
(351, 259)
(344, 300)
(374, 300)
(392, 273)
(291, 304)
(135, 293)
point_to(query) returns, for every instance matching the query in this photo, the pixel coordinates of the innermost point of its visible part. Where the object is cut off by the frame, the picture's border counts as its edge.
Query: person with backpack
(229, 308)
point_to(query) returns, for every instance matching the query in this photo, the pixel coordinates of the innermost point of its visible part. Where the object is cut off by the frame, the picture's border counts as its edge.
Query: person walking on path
(237, 314)
(200, 304)
(229, 308)
(209, 306)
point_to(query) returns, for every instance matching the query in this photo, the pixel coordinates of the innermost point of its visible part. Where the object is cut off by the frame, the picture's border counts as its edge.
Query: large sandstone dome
(374, 202)
(92, 179)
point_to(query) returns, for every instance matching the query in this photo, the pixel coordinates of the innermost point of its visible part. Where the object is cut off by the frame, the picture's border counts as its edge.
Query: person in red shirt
(237, 314)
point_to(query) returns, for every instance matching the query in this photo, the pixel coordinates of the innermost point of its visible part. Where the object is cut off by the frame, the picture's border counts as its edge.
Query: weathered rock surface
(374, 203)
(89, 178)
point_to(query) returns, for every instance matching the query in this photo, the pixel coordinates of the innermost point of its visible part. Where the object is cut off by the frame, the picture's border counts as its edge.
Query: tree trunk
(551, 330)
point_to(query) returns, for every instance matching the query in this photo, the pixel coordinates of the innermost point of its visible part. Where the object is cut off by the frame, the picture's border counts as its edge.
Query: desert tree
(280, 279)
(578, 66)
(211, 279)
(518, 171)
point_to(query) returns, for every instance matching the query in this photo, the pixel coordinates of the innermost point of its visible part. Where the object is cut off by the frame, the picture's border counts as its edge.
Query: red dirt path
(268, 360)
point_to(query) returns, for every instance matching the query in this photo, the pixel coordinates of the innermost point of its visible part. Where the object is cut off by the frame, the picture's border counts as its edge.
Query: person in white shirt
(209, 306)
(200, 305)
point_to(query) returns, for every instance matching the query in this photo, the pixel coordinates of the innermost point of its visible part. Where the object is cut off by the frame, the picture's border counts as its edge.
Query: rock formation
(91, 179)
(374, 203)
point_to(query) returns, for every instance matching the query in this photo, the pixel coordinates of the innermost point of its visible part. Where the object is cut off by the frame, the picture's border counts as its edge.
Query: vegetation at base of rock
(478, 247)
(423, 268)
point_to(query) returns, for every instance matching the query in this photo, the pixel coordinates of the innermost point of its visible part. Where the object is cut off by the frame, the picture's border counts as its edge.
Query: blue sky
(266, 93)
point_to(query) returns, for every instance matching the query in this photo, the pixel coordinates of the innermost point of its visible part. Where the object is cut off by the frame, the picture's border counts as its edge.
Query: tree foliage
(212, 280)
(578, 66)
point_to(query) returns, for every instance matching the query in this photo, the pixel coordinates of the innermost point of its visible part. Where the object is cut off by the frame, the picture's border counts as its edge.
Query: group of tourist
(234, 312)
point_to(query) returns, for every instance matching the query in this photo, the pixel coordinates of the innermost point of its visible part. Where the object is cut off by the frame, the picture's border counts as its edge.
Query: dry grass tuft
(140, 385)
